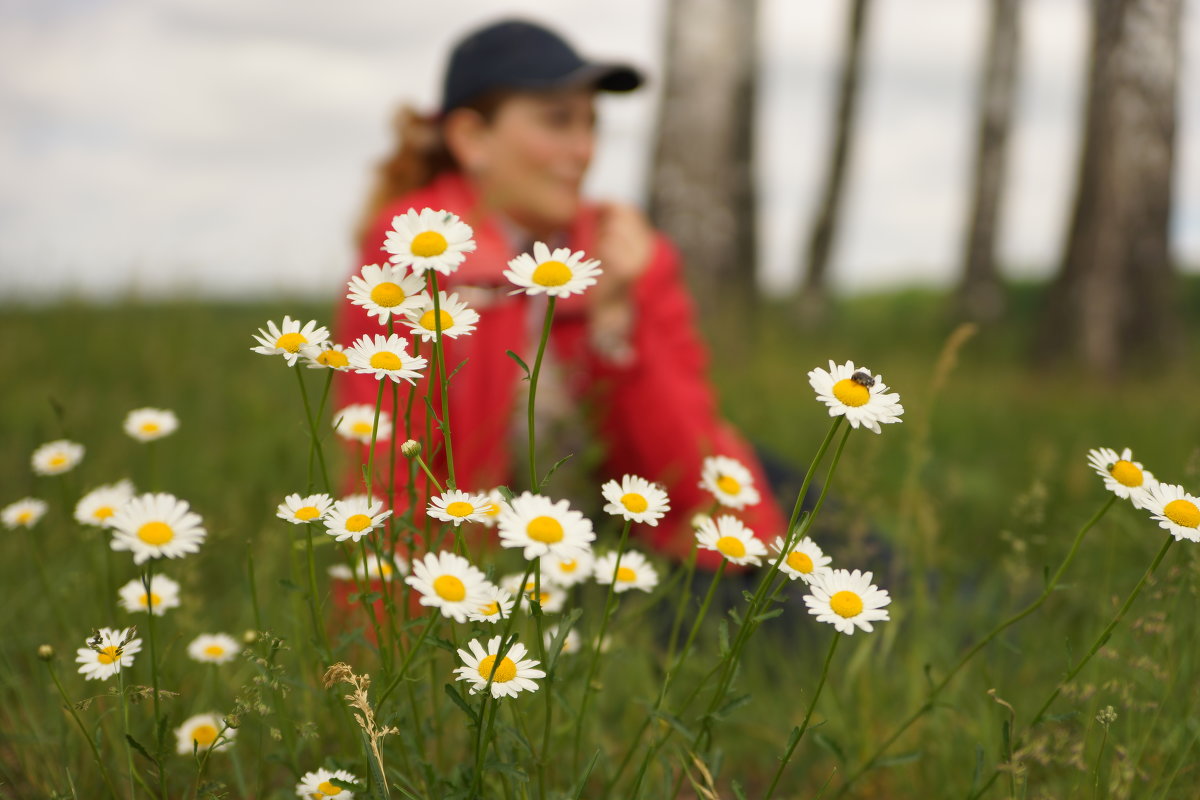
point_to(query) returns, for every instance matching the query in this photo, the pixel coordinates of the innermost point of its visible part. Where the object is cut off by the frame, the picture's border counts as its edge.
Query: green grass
(958, 511)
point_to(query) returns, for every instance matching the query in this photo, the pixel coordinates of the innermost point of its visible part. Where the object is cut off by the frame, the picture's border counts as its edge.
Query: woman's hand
(624, 245)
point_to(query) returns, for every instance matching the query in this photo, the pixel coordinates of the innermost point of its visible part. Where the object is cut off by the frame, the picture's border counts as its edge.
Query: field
(961, 512)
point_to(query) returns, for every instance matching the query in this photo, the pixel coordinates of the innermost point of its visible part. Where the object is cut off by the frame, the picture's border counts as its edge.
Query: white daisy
(847, 600)
(386, 291)
(449, 582)
(634, 571)
(567, 572)
(213, 648)
(635, 499)
(855, 393)
(560, 273)
(300, 510)
(24, 513)
(57, 457)
(458, 507)
(1122, 476)
(355, 422)
(733, 540)
(164, 595)
(317, 785)
(354, 517)
(385, 357)
(491, 514)
(328, 356)
(429, 240)
(570, 643)
(148, 424)
(1176, 510)
(98, 506)
(108, 652)
(552, 598)
(290, 340)
(805, 560)
(156, 526)
(729, 481)
(541, 526)
(457, 319)
(203, 732)
(497, 605)
(513, 673)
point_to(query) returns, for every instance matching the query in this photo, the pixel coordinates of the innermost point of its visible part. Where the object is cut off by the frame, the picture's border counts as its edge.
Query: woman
(508, 153)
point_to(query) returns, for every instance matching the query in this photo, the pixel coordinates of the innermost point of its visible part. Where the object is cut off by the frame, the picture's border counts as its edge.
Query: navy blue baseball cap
(515, 54)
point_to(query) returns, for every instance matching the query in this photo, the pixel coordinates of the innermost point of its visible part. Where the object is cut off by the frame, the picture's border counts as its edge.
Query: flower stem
(314, 439)
(534, 483)
(439, 357)
(70, 707)
(147, 580)
(799, 733)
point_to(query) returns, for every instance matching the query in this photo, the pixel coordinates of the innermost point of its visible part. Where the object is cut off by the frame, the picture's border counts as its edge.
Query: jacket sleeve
(658, 413)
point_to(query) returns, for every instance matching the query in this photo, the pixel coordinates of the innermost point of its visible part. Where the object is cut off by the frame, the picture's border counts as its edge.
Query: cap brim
(606, 77)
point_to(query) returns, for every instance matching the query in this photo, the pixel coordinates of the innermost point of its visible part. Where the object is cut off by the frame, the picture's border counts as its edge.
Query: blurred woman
(508, 153)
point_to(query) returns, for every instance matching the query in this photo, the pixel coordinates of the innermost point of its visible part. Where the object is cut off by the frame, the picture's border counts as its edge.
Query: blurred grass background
(957, 511)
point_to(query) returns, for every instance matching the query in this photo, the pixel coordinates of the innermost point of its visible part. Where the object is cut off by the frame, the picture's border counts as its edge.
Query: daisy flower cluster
(1170, 505)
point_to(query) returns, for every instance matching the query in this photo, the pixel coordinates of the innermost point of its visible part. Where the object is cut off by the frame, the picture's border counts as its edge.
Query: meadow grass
(960, 512)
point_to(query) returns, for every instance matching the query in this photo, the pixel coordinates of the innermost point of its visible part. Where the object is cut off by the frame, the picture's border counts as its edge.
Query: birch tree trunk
(980, 295)
(813, 294)
(1112, 296)
(702, 187)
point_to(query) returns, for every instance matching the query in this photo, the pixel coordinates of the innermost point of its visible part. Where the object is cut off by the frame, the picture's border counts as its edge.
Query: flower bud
(45, 652)
(411, 448)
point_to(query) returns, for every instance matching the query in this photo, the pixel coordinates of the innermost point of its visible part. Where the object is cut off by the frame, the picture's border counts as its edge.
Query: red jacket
(656, 415)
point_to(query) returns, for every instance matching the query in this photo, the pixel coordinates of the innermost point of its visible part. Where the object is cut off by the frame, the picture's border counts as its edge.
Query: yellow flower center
(386, 360)
(357, 523)
(1183, 512)
(104, 512)
(387, 294)
(57, 460)
(428, 244)
(547, 530)
(204, 735)
(109, 654)
(307, 512)
(800, 562)
(385, 570)
(493, 510)
(504, 673)
(24, 517)
(214, 651)
(731, 546)
(568, 566)
(153, 600)
(361, 428)
(728, 484)
(333, 358)
(846, 604)
(626, 575)
(328, 789)
(551, 273)
(427, 321)
(634, 503)
(460, 509)
(155, 533)
(149, 427)
(290, 342)
(492, 609)
(1126, 473)
(851, 393)
(449, 588)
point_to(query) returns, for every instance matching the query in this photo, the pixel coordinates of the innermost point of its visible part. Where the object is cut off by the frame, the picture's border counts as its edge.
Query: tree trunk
(820, 239)
(1112, 296)
(702, 188)
(980, 294)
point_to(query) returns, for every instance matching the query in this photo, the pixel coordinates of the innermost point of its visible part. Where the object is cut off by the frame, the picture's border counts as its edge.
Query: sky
(222, 148)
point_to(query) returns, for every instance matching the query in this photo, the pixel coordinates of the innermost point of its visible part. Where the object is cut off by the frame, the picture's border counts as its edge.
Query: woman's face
(529, 161)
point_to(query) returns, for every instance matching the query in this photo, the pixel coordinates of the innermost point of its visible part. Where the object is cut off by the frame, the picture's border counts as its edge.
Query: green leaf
(554, 469)
(136, 745)
(577, 792)
(828, 743)
(461, 364)
(896, 760)
(723, 637)
(731, 706)
(287, 584)
(674, 722)
(520, 363)
(766, 615)
(564, 628)
(738, 791)
(461, 702)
